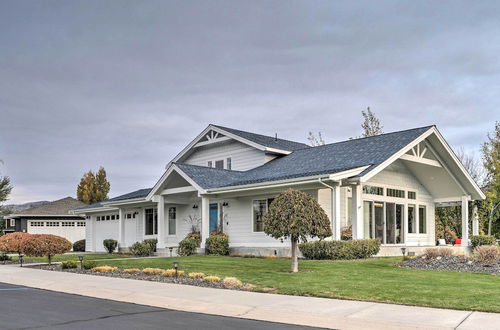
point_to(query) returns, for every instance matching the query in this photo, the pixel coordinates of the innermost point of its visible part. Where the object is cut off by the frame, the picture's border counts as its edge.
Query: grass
(369, 280)
(66, 257)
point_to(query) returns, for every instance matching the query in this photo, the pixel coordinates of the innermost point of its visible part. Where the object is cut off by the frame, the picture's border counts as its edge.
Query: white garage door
(72, 230)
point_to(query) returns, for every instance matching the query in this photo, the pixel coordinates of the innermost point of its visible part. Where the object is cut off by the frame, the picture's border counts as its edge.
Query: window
(395, 193)
(219, 164)
(98, 218)
(412, 195)
(172, 216)
(260, 208)
(52, 223)
(113, 217)
(372, 190)
(210, 163)
(151, 222)
(37, 224)
(68, 224)
(228, 163)
(80, 224)
(412, 221)
(12, 222)
(108, 217)
(128, 216)
(422, 220)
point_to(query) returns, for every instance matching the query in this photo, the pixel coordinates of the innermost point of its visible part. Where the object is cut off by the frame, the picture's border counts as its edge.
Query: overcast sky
(127, 84)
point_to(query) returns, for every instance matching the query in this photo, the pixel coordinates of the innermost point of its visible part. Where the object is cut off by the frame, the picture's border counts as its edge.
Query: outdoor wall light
(195, 206)
(403, 251)
(80, 257)
(21, 258)
(176, 267)
(225, 204)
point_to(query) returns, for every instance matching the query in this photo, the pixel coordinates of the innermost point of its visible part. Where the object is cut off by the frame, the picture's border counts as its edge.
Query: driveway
(27, 308)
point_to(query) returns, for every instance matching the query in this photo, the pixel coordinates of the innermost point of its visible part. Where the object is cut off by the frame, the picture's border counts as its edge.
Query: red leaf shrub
(13, 242)
(45, 245)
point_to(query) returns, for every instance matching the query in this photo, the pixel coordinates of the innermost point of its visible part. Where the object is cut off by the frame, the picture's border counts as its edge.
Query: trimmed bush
(69, 264)
(171, 273)
(479, 240)
(110, 245)
(486, 254)
(433, 253)
(104, 269)
(211, 279)
(79, 246)
(152, 243)
(45, 245)
(232, 282)
(131, 270)
(89, 264)
(153, 271)
(340, 250)
(217, 245)
(5, 257)
(196, 275)
(188, 246)
(13, 242)
(141, 249)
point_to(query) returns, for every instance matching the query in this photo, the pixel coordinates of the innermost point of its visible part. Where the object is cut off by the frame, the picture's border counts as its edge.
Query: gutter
(332, 205)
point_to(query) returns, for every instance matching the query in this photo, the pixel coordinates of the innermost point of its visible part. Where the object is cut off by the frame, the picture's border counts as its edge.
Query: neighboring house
(385, 187)
(51, 218)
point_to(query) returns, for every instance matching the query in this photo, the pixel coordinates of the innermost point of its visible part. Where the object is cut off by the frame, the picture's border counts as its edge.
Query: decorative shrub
(211, 279)
(79, 246)
(188, 246)
(196, 275)
(232, 282)
(132, 270)
(5, 257)
(217, 245)
(69, 264)
(479, 240)
(45, 245)
(153, 271)
(340, 250)
(486, 254)
(171, 273)
(110, 245)
(152, 243)
(89, 264)
(104, 269)
(432, 253)
(142, 249)
(13, 242)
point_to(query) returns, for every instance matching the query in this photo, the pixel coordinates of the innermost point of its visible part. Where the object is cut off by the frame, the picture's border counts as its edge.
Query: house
(51, 218)
(384, 187)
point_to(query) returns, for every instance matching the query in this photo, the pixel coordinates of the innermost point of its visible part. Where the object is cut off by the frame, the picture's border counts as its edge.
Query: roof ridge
(259, 134)
(206, 167)
(368, 137)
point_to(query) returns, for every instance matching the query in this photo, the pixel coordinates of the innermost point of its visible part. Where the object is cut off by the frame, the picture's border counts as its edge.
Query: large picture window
(172, 220)
(260, 208)
(151, 222)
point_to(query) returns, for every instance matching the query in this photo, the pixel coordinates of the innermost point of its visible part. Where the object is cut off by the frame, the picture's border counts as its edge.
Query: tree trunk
(295, 261)
(50, 259)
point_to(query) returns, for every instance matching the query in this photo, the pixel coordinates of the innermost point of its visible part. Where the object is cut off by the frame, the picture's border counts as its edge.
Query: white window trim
(251, 210)
(12, 223)
(211, 162)
(144, 223)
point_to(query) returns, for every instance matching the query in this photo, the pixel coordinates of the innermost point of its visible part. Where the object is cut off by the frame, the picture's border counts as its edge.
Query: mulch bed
(146, 277)
(451, 263)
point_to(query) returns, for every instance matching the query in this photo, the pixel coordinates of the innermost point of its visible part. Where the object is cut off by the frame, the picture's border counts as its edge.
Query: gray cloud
(127, 84)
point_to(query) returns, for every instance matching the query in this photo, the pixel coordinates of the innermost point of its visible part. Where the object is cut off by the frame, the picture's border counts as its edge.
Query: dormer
(231, 149)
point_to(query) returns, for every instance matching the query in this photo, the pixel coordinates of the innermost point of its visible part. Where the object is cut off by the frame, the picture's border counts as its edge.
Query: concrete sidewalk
(318, 312)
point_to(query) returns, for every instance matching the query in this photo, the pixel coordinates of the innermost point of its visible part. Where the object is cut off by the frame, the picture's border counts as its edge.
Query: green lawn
(65, 257)
(370, 280)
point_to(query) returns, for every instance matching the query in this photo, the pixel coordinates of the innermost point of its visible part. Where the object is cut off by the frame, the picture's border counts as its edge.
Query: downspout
(332, 206)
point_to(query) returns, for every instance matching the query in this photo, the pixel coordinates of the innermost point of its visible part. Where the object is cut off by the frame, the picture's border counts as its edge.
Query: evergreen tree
(371, 125)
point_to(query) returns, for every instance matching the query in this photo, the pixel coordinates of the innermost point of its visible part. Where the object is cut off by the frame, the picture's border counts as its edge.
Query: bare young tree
(316, 141)
(371, 125)
(473, 165)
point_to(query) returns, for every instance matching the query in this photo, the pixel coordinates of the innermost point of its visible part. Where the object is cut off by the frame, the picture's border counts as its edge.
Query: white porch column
(475, 221)
(205, 220)
(465, 221)
(121, 229)
(357, 212)
(161, 222)
(336, 210)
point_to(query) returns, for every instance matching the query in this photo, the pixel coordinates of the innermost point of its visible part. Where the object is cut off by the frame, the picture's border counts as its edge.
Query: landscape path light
(80, 257)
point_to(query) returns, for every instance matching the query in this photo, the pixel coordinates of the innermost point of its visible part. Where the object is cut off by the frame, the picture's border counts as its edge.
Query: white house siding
(89, 236)
(71, 233)
(398, 176)
(243, 157)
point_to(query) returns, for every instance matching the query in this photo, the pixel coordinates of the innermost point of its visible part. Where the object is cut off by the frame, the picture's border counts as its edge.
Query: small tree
(296, 215)
(13, 242)
(371, 125)
(93, 188)
(45, 245)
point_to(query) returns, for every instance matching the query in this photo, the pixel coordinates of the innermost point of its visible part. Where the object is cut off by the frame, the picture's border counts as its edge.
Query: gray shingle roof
(134, 194)
(59, 207)
(267, 141)
(327, 159)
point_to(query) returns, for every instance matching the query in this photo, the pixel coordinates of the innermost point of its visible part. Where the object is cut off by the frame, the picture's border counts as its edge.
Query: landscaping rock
(451, 263)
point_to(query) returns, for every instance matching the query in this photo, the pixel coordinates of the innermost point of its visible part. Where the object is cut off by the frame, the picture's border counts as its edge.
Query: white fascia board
(450, 199)
(421, 160)
(96, 210)
(348, 173)
(397, 155)
(165, 175)
(277, 151)
(13, 216)
(125, 201)
(178, 190)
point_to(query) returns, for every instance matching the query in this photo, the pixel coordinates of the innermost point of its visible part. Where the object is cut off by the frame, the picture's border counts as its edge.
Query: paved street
(27, 308)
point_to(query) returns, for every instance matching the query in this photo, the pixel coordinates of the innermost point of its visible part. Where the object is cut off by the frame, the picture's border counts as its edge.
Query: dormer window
(219, 164)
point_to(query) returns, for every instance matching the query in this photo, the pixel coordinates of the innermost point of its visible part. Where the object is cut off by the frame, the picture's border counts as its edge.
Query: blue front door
(214, 216)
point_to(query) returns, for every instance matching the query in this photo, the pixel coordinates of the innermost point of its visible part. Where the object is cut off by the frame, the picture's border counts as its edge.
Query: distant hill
(15, 208)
